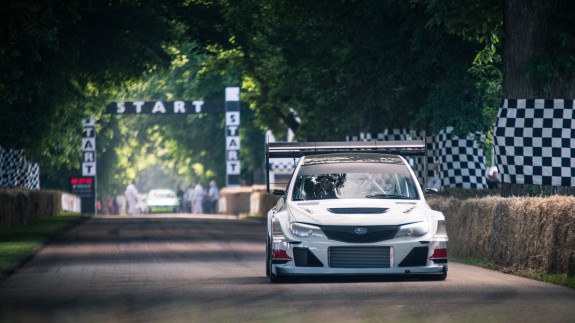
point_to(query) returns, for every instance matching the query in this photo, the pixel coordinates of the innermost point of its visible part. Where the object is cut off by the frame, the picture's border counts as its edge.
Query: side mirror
(279, 192)
(431, 191)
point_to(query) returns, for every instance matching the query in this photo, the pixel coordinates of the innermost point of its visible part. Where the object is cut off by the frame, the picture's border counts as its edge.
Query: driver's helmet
(386, 182)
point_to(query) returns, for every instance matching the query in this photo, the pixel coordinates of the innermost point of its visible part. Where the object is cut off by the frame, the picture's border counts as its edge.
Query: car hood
(162, 201)
(359, 212)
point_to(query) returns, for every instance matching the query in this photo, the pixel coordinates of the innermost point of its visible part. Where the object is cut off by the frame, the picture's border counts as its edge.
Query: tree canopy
(325, 69)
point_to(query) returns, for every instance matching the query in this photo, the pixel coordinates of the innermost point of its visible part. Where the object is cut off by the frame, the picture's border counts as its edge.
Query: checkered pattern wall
(283, 165)
(461, 161)
(17, 171)
(535, 142)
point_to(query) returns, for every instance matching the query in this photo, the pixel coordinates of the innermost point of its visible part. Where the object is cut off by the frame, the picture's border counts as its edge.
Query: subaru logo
(360, 230)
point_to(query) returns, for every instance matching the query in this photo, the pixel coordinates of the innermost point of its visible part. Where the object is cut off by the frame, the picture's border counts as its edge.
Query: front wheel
(269, 272)
(441, 276)
(268, 258)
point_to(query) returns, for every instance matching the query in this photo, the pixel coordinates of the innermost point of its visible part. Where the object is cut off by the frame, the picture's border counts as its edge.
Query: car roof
(352, 158)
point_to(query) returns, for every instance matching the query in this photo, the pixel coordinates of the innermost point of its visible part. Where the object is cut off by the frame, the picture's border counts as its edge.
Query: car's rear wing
(298, 149)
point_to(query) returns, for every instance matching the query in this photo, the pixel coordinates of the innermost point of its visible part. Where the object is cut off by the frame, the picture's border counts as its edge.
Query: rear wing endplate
(299, 149)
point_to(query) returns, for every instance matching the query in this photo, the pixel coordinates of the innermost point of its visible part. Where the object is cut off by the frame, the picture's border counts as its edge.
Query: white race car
(353, 208)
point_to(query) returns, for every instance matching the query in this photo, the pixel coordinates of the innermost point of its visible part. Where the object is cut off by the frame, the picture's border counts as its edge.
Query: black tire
(441, 276)
(273, 277)
(268, 258)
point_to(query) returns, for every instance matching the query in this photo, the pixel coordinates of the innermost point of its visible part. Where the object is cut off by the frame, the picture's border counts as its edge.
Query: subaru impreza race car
(353, 208)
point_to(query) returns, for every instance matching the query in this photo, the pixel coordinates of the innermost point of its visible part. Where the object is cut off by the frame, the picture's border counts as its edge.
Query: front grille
(359, 257)
(347, 233)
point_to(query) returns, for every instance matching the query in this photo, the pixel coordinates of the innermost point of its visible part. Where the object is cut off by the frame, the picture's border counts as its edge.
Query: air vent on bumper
(417, 257)
(358, 210)
(303, 257)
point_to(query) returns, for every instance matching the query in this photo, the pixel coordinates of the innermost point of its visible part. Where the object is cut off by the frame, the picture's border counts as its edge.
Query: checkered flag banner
(535, 142)
(17, 171)
(461, 161)
(283, 165)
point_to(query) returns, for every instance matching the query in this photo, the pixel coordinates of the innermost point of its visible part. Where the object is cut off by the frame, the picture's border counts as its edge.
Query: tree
(371, 64)
(539, 49)
(183, 149)
(537, 53)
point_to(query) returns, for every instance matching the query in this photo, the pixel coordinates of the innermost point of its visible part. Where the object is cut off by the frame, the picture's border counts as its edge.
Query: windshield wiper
(386, 196)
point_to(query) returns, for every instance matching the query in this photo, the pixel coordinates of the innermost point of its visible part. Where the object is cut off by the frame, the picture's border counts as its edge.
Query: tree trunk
(526, 25)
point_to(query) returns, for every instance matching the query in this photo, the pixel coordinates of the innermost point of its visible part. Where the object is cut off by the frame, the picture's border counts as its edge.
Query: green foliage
(325, 69)
(330, 69)
(170, 150)
(17, 244)
(60, 61)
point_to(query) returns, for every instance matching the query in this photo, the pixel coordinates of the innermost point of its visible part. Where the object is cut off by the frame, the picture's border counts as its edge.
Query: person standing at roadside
(198, 199)
(435, 181)
(188, 198)
(132, 197)
(492, 178)
(180, 195)
(213, 197)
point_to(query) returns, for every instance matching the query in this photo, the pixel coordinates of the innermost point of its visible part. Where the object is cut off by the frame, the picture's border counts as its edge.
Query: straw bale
(468, 224)
(535, 234)
(478, 215)
(19, 206)
(561, 239)
(235, 200)
(516, 233)
(262, 202)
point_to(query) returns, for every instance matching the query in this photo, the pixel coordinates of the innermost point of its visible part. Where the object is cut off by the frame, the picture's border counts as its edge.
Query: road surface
(190, 268)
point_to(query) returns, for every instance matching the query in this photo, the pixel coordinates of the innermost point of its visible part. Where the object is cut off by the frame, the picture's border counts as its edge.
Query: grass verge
(563, 280)
(18, 244)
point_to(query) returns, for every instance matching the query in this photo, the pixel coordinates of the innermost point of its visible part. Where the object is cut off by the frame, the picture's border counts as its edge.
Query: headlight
(413, 230)
(305, 230)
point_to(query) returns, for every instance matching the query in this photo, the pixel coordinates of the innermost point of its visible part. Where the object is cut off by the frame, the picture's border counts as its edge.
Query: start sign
(231, 108)
(164, 107)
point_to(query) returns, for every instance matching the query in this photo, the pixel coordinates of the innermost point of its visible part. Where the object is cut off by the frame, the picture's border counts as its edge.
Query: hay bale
(557, 236)
(516, 233)
(235, 200)
(262, 202)
(476, 217)
(19, 206)
(7, 208)
(468, 224)
(535, 234)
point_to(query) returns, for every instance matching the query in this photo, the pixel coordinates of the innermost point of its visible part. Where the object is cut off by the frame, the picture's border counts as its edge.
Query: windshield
(370, 181)
(162, 194)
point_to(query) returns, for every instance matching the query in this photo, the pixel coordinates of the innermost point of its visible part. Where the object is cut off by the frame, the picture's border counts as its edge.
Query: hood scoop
(358, 210)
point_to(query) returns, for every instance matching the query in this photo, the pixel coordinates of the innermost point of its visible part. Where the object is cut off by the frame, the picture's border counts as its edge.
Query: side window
(409, 187)
(298, 189)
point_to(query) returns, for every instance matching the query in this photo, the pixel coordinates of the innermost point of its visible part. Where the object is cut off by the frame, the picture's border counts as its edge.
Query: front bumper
(396, 256)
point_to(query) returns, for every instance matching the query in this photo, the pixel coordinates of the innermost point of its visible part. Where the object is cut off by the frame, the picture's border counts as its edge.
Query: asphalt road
(195, 269)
